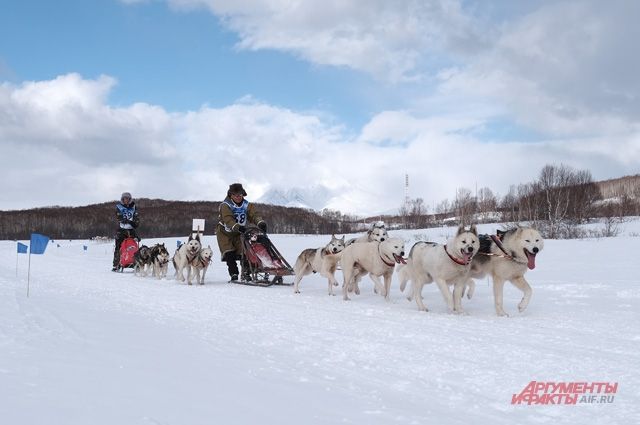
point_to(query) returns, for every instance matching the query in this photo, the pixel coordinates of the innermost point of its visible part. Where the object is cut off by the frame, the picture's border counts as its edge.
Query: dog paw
(502, 314)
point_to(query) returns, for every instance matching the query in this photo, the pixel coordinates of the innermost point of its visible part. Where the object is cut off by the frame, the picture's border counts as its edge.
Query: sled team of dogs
(190, 256)
(453, 266)
(154, 260)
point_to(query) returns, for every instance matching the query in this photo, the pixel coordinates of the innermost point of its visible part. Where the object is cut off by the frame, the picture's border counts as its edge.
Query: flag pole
(17, 256)
(29, 272)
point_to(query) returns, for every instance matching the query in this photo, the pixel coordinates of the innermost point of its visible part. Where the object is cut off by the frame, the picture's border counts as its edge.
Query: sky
(177, 99)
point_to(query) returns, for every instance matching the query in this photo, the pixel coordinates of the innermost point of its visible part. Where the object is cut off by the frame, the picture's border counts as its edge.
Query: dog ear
(342, 238)
(473, 229)
(460, 230)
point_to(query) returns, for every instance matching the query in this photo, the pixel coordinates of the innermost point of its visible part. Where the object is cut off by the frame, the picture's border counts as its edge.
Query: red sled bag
(128, 250)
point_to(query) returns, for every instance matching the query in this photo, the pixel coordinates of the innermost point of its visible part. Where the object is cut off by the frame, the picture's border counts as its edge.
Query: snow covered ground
(94, 347)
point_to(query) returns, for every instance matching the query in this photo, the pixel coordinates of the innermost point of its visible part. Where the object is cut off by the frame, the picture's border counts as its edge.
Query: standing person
(128, 220)
(234, 215)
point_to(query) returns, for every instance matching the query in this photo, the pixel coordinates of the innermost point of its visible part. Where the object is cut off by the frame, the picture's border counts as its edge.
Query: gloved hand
(262, 226)
(242, 229)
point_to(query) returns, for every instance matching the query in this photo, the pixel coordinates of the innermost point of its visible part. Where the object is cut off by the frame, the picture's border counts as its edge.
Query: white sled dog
(507, 256)
(184, 255)
(376, 258)
(200, 263)
(448, 264)
(322, 260)
(377, 233)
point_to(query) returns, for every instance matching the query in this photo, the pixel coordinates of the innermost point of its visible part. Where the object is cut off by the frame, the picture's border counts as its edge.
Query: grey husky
(323, 260)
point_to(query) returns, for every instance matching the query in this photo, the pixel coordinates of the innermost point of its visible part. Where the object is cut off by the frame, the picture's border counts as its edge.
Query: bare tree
(464, 205)
(487, 201)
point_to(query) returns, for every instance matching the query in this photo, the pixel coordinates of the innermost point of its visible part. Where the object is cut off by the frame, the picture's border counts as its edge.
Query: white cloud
(390, 40)
(565, 70)
(78, 149)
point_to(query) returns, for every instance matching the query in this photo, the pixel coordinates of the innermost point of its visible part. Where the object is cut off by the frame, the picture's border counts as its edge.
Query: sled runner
(128, 250)
(263, 264)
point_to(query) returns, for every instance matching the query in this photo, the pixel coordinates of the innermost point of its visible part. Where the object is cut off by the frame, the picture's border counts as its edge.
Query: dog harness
(455, 259)
(498, 241)
(200, 260)
(383, 260)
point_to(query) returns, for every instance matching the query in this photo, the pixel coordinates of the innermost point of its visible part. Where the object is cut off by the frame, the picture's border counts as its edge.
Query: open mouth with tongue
(531, 259)
(399, 259)
(466, 255)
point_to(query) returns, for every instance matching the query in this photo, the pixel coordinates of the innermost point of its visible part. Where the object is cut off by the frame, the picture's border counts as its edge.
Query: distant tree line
(556, 202)
(160, 218)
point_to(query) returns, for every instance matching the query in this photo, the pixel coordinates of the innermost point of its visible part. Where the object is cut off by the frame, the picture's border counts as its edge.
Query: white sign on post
(198, 225)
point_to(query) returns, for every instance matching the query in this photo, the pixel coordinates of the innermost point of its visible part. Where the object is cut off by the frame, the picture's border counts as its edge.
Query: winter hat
(236, 189)
(126, 195)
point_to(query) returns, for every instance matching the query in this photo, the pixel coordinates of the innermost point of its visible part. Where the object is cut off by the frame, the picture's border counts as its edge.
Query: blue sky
(178, 59)
(343, 95)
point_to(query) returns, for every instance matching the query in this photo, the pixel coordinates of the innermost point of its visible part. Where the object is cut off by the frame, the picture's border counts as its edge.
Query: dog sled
(128, 249)
(262, 265)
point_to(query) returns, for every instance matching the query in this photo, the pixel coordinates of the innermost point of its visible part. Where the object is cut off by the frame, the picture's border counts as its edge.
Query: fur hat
(236, 189)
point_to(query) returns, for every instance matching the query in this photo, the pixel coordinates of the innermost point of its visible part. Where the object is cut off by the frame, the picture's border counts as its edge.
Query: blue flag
(38, 243)
(178, 243)
(22, 248)
(84, 247)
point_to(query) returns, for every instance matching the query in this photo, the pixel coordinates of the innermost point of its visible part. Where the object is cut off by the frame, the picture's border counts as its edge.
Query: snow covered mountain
(314, 197)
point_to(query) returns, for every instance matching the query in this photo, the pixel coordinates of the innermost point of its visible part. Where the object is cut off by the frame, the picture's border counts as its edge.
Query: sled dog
(375, 258)
(184, 255)
(200, 263)
(322, 260)
(507, 256)
(160, 260)
(377, 233)
(142, 261)
(448, 264)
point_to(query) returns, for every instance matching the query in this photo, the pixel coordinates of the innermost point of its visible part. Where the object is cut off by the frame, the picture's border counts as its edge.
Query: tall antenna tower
(406, 190)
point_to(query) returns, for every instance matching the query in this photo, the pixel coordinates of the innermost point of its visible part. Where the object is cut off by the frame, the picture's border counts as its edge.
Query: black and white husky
(322, 260)
(507, 256)
(142, 261)
(160, 260)
(184, 255)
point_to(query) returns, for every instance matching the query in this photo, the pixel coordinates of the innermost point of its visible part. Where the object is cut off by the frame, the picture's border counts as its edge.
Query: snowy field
(93, 347)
